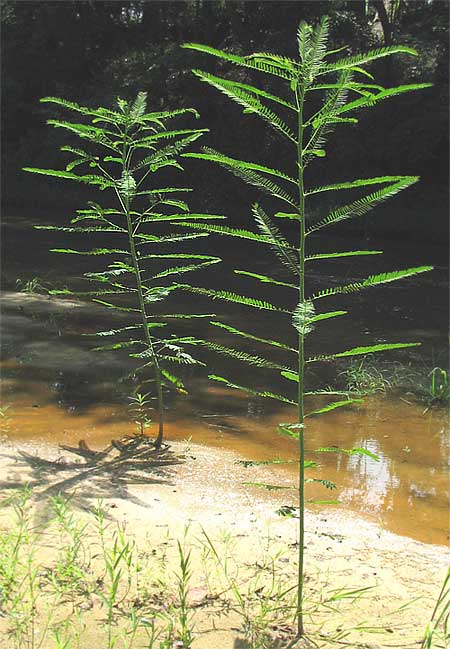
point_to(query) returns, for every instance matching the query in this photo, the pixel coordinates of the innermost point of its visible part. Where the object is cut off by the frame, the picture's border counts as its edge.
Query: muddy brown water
(57, 390)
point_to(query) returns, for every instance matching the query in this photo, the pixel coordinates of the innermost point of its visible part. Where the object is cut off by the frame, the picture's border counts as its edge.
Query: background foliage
(93, 51)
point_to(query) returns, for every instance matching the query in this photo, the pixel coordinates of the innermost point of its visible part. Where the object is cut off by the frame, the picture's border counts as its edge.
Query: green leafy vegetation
(74, 580)
(139, 404)
(33, 285)
(122, 150)
(437, 630)
(366, 377)
(406, 380)
(123, 46)
(306, 125)
(436, 390)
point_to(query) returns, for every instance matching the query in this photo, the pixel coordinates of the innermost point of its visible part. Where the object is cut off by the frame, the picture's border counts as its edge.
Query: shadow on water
(103, 474)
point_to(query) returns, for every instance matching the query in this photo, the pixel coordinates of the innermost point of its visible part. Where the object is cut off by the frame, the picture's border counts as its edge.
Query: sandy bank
(202, 488)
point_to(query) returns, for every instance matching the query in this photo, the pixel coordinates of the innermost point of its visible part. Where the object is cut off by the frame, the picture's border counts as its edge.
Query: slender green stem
(147, 336)
(300, 94)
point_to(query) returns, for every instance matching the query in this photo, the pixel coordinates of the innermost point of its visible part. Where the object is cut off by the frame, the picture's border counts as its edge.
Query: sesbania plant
(345, 88)
(125, 148)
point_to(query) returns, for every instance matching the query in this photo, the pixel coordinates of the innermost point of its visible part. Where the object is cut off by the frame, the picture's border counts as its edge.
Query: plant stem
(148, 339)
(300, 94)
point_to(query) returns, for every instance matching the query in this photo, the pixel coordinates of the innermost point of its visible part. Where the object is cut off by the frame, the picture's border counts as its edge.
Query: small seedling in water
(139, 408)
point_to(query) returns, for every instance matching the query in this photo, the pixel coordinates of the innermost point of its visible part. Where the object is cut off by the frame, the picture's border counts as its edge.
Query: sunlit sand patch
(177, 503)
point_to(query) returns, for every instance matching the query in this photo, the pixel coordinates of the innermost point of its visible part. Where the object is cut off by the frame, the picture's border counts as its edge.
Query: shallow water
(59, 391)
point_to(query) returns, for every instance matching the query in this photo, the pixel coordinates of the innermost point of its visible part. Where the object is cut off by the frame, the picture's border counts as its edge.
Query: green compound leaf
(361, 351)
(244, 357)
(66, 175)
(251, 463)
(264, 394)
(277, 66)
(247, 171)
(325, 483)
(294, 431)
(116, 332)
(350, 253)
(264, 279)
(363, 205)
(326, 316)
(333, 406)
(122, 345)
(388, 93)
(291, 376)
(268, 487)
(250, 336)
(239, 91)
(280, 245)
(249, 100)
(228, 296)
(174, 380)
(372, 280)
(110, 305)
(180, 217)
(351, 451)
(82, 229)
(94, 251)
(367, 57)
(178, 270)
(351, 184)
(226, 161)
(232, 232)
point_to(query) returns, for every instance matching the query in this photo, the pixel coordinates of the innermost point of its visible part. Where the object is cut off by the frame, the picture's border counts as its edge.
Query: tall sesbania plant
(124, 150)
(298, 116)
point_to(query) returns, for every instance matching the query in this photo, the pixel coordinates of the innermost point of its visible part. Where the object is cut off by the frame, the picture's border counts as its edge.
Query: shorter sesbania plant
(124, 149)
(315, 92)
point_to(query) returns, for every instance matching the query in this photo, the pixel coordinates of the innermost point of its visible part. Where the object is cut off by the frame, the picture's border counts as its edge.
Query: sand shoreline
(205, 492)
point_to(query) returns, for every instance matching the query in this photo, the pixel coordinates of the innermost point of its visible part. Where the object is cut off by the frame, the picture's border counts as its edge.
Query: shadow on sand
(85, 475)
